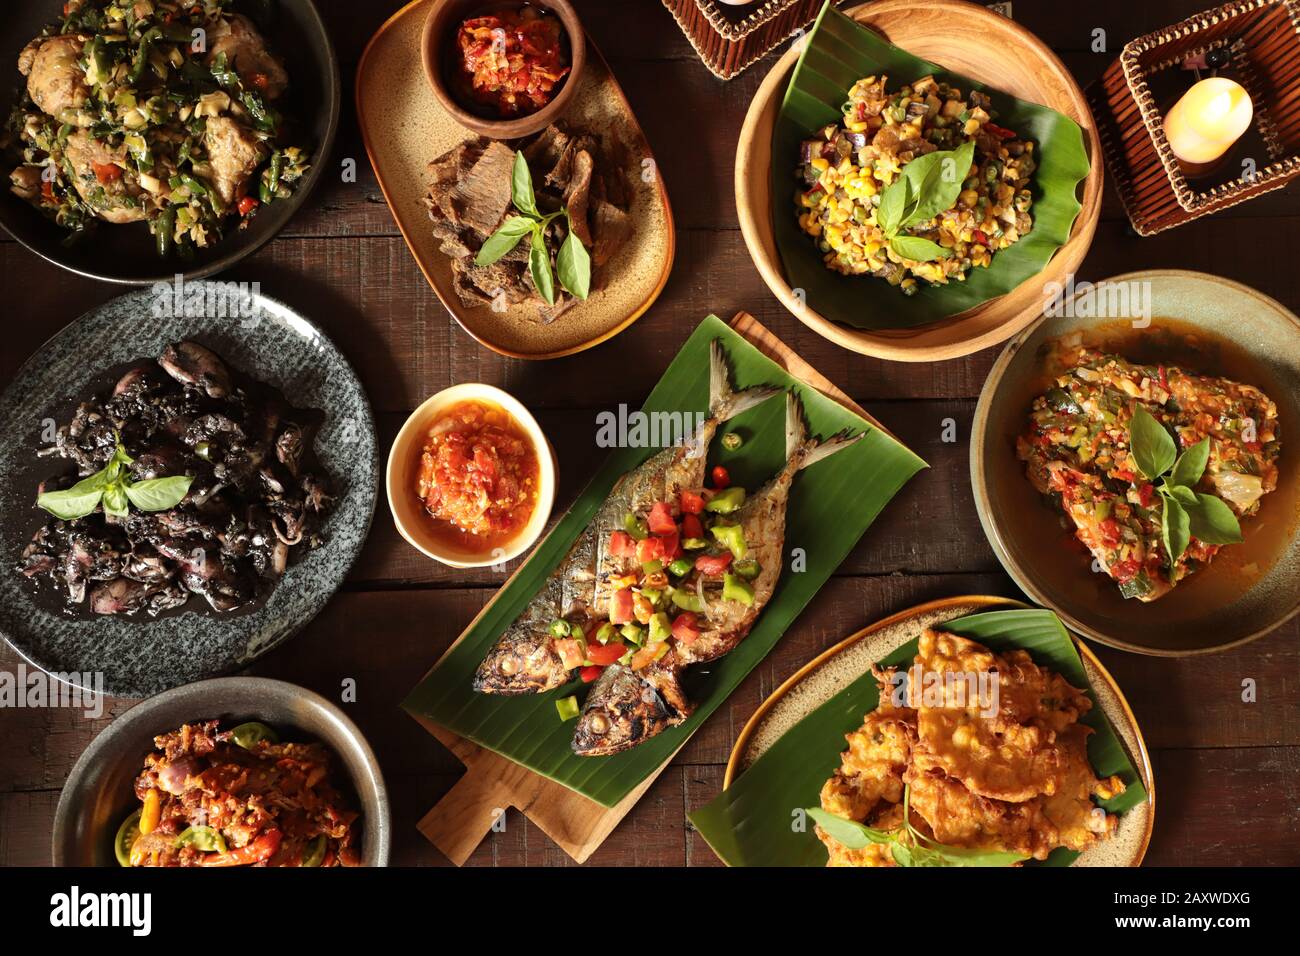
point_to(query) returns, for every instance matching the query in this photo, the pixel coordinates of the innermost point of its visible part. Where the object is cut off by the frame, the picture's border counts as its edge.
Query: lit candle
(1210, 117)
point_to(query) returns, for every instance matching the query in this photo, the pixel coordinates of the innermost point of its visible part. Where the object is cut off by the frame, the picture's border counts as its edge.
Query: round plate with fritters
(841, 665)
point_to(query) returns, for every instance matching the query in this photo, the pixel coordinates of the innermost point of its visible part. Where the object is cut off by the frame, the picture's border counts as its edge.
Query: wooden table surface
(1227, 772)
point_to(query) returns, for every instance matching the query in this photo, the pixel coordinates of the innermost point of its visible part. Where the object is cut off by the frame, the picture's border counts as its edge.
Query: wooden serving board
(492, 783)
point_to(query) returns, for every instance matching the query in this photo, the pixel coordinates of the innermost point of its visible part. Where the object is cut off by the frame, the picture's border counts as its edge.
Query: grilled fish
(626, 707)
(524, 660)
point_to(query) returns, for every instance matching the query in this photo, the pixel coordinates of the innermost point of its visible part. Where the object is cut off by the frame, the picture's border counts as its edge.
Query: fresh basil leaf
(918, 248)
(1184, 495)
(902, 854)
(573, 264)
(1212, 521)
(503, 240)
(962, 856)
(75, 502)
(521, 187)
(848, 832)
(936, 182)
(1174, 528)
(1191, 464)
(159, 494)
(1152, 447)
(539, 266)
(893, 205)
(116, 502)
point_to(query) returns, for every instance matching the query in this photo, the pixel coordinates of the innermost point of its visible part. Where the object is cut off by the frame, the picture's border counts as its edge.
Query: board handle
(460, 821)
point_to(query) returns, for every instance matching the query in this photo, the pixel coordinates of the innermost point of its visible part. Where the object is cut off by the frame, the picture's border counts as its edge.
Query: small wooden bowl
(964, 39)
(445, 18)
(414, 523)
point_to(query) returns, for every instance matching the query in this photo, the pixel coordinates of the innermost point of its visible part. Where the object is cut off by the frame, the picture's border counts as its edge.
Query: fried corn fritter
(1003, 769)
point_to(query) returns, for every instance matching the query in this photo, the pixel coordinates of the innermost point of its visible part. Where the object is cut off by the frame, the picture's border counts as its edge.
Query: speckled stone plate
(138, 655)
(829, 673)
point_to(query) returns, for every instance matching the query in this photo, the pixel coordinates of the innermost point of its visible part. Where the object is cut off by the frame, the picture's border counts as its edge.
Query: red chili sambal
(478, 474)
(512, 61)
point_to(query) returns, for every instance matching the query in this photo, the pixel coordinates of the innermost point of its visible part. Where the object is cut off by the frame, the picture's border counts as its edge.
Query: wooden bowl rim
(431, 51)
(992, 603)
(898, 344)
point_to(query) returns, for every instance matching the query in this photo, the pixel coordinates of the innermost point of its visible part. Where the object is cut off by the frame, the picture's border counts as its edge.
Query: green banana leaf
(750, 823)
(840, 51)
(831, 504)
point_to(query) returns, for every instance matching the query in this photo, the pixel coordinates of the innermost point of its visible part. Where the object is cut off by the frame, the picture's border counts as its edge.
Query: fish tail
(802, 451)
(724, 402)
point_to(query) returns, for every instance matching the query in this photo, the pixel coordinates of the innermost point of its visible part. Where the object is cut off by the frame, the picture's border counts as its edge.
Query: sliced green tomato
(633, 633)
(688, 601)
(736, 589)
(660, 628)
(127, 834)
(202, 838)
(651, 567)
(559, 628)
(567, 707)
(605, 632)
(732, 536)
(1101, 509)
(635, 526)
(748, 569)
(313, 854)
(695, 544)
(681, 567)
(253, 732)
(652, 595)
(726, 501)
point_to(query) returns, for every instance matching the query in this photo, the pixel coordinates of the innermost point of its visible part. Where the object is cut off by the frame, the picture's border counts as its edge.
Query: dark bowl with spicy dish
(503, 69)
(266, 81)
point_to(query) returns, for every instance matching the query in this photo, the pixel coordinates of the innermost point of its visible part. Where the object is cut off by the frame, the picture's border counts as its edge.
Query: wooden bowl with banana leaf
(965, 47)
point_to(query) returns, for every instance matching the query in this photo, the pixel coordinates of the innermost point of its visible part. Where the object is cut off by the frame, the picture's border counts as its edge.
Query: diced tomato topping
(661, 520)
(671, 544)
(589, 674)
(107, 172)
(720, 477)
(692, 503)
(1146, 494)
(692, 527)
(713, 563)
(650, 549)
(603, 655)
(1164, 378)
(622, 545)
(686, 627)
(1125, 571)
(570, 652)
(1001, 132)
(1109, 532)
(978, 236)
(47, 190)
(247, 205)
(642, 609)
(620, 607)
(1253, 446)
(1123, 474)
(644, 657)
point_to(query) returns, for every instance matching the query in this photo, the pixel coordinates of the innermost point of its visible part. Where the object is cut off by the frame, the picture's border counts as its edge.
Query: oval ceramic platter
(405, 127)
(139, 655)
(832, 673)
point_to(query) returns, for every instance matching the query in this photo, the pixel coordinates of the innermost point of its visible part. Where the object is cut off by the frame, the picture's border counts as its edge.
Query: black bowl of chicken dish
(239, 771)
(146, 138)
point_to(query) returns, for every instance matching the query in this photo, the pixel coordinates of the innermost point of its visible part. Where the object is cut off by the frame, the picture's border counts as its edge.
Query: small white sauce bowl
(402, 476)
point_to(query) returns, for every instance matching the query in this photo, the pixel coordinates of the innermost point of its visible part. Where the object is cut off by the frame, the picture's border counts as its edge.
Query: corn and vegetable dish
(151, 111)
(917, 184)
